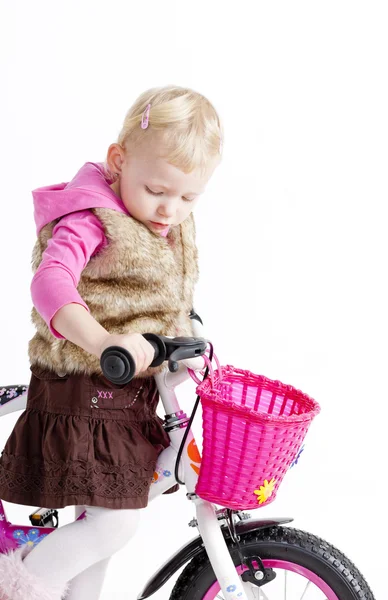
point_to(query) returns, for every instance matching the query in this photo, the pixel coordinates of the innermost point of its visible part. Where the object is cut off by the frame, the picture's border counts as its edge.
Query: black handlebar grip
(159, 347)
(118, 365)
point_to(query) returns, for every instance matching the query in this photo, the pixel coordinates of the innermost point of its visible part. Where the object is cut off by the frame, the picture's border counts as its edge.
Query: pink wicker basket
(253, 428)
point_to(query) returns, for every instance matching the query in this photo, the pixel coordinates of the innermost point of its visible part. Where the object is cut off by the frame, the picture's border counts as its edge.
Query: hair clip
(145, 117)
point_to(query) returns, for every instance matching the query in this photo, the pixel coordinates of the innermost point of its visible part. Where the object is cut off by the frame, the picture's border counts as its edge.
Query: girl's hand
(141, 350)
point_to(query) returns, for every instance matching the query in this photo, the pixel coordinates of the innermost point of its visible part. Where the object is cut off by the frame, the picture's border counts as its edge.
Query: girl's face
(153, 190)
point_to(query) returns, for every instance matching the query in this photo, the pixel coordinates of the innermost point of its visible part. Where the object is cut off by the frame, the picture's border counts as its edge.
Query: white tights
(79, 552)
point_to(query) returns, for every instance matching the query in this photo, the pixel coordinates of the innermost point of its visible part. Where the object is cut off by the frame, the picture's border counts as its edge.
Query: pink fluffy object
(16, 583)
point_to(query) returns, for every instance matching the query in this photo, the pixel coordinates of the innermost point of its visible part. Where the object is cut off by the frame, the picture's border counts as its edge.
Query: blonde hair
(187, 123)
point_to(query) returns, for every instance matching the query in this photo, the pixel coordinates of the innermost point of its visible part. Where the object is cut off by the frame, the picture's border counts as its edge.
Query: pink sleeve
(75, 239)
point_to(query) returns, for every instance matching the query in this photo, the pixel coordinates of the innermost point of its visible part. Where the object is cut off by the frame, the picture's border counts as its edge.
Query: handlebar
(118, 365)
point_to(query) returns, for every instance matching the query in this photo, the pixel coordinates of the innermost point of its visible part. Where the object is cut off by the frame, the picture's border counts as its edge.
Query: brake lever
(182, 347)
(178, 354)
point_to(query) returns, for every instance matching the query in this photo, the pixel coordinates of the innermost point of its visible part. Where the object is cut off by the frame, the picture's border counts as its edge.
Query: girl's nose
(167, 209)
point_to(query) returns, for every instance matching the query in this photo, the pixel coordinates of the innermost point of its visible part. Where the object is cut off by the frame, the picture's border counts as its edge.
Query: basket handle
(208, 363)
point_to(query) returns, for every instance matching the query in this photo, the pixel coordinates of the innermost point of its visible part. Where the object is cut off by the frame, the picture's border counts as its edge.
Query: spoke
(285, 585)
(305, 590)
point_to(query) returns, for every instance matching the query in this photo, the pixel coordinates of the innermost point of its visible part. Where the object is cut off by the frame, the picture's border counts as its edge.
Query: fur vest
(140, 282)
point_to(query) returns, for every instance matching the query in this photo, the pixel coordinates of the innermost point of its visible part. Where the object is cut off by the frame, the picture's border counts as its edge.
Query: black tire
(282, 543)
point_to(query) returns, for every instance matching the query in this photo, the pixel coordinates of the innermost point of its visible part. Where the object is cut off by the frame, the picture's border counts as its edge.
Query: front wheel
(306, 568)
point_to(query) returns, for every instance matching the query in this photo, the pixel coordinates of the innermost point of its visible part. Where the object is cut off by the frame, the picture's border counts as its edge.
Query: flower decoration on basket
(265, 490)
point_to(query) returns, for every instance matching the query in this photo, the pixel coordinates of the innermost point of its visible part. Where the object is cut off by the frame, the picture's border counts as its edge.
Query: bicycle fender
(196, 546)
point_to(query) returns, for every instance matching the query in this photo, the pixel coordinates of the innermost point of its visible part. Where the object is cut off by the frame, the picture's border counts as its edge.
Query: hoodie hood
(88, 189)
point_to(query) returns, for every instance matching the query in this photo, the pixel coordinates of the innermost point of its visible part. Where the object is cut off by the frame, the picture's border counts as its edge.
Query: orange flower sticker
(265, 490)
(194, 455)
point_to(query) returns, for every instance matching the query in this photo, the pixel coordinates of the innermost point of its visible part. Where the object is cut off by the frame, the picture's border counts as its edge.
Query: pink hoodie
(76, 238)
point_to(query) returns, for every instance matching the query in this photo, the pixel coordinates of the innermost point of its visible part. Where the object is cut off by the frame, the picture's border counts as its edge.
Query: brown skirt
(83, 440)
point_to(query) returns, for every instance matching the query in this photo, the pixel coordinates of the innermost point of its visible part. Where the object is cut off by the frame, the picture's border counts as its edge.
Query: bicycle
(235, 556)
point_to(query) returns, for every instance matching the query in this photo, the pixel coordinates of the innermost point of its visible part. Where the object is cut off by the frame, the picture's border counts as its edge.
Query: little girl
(115, 257)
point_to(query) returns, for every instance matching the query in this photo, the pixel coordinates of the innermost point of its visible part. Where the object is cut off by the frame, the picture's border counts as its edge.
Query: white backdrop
(291, 230)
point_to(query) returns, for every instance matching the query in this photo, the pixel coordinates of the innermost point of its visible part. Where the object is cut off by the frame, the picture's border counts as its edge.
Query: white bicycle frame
(208, 524)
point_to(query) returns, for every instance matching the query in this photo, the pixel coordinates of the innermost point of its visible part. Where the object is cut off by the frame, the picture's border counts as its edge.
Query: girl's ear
(115, 158)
